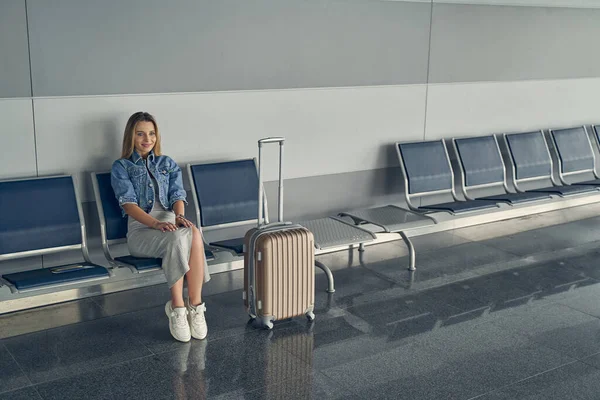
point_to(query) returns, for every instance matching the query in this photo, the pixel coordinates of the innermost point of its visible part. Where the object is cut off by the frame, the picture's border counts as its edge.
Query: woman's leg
(177, 294)
(195, 276)
(195, 279)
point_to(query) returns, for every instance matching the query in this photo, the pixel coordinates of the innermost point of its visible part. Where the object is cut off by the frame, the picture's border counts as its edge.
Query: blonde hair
(128, 135)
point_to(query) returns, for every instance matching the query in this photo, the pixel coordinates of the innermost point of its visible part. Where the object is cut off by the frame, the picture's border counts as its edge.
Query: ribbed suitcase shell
(284, 273)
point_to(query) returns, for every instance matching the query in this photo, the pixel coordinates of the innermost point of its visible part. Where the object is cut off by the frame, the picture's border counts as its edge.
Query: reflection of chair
(226, 195)
(42, 216)
(113, 227)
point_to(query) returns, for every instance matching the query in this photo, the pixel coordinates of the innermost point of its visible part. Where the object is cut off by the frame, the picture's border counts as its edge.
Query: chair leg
(330, 283)
(411, 251)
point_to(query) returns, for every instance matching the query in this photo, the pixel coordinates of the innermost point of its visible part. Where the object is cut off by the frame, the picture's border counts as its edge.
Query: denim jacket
(132, 183)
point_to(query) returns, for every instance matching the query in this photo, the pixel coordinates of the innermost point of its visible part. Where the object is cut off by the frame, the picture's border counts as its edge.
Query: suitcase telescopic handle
(281, 141)
(271, 140)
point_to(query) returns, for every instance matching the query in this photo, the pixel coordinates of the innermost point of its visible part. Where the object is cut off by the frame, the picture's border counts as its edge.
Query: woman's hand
(165, 226)
(182, 221)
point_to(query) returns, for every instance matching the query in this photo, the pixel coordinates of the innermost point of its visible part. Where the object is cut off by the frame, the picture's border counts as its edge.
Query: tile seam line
(306, 89)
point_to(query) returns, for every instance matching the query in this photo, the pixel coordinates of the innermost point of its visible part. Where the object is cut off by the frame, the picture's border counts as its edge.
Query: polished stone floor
(504, 311)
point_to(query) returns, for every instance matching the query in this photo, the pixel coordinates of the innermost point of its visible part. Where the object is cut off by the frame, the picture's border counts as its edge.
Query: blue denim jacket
(132, 183)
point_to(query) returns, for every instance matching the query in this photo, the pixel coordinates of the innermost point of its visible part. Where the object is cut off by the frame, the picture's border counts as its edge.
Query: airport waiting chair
(532, 164)
(40, 216)
(226, 195)
(113, 227)
(596, 129)
(427, 171)
(576, 160)
(482, 167)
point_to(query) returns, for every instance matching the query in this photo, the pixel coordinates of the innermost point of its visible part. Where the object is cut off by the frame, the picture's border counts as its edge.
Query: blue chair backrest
(574, 150)
(530, 155)
(115, 224)
(426, 165)
(227, 191)
(38, 214)
(481, 160)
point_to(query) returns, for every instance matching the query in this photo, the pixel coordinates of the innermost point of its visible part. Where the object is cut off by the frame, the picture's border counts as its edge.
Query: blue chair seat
(141, 264)
(236, 245)
(57, 275)
(516, 198)
(566, 190)
(458, 207)
(595, 182)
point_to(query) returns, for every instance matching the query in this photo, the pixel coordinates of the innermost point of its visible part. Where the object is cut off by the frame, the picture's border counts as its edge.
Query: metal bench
(392, 219)
(575, 156)
(41, 216)
(226, 195)
(596, 129)
(427, 172)
(113, 227)
(482, 167)
(532, 164)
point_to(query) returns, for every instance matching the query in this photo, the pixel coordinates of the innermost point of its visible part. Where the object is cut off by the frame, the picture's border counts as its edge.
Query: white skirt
(173, 247)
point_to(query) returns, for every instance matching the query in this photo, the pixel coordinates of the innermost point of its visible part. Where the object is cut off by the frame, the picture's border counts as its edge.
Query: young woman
(149, 188)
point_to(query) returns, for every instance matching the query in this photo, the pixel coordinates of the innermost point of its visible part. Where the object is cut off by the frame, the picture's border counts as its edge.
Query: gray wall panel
(497, 43)
(17, 154)
(14, 54)
(320, 196)
(81, 47)
(530, 3)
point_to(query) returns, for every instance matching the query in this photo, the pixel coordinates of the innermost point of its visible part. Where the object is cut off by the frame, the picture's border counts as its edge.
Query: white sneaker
(197, 320)
(178, 324)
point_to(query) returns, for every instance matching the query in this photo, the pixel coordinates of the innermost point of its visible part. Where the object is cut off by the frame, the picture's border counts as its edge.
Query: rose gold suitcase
(279, 263)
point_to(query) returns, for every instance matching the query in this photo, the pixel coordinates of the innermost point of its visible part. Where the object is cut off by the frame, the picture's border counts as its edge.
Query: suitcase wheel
(262, 322)
(310, 315)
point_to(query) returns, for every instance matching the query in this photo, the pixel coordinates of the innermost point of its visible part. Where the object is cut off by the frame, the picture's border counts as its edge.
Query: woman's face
(144, 138)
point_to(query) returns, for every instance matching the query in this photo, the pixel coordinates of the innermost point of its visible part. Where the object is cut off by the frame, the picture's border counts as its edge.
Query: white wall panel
(327, 131)
(483, 108)
(17, 140)
(529, 3)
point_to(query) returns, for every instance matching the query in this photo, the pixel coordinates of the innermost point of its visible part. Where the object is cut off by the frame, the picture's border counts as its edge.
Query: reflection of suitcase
(286, 363)
(279, 262)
